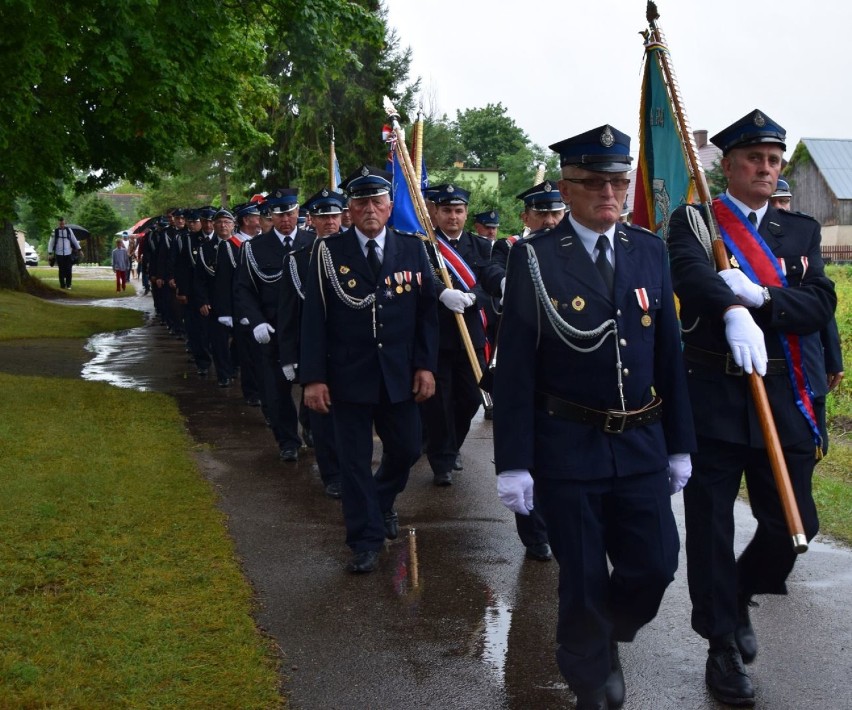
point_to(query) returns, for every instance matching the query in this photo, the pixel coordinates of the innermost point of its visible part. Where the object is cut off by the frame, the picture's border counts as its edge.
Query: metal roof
(833, 158)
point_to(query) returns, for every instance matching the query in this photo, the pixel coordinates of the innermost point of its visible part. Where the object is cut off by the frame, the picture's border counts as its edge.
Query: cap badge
(607, 139)
(365, 171)
(493, 215)
(324, 192)
(450, 188)
(548, 187)
(759, 120)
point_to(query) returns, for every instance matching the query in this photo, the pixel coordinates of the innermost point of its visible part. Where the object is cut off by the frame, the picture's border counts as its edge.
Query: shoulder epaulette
(798, 213)
(536, 234)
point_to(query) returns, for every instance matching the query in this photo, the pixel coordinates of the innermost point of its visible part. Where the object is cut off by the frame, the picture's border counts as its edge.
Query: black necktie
(604, 267)
(752, 217)
(455, 243)
(373, 258)
(287, 243)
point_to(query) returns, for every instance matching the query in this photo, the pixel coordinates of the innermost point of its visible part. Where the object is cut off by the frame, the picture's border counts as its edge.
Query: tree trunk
(12, 270)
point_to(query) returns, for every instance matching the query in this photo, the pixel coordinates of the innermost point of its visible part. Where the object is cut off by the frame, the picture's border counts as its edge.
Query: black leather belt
(611, 421)
(724, 362)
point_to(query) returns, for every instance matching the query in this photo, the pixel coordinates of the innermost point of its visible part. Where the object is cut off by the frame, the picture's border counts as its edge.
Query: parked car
(30, 255)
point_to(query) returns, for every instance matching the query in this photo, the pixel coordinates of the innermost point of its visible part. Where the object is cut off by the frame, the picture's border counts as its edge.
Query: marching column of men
(592, 376)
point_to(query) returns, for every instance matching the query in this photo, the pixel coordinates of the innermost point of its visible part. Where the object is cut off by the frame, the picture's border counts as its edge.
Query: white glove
(454, 299)
(290, 371)
(745, 339)
(749, 293)
(263, 333)
(226, 320)
(680, 469)
(515, 490)
(244, 321)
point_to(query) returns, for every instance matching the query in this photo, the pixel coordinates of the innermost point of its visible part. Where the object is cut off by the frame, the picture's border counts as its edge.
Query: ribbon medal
(642, 299)
(407, 277)
(389, 290)
(398, 277)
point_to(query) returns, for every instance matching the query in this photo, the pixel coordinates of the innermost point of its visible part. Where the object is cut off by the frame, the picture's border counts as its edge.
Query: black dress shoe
(744, 633)
(308, 438)
(443, 479)
(253, 401)
(225, 382)
(332, 490)
(363, 562)
(202, 372)
(391, 525)
(457, 464)
(726, 675)
(289, 455)
(539, 551)
(614, 686)
(592, 701)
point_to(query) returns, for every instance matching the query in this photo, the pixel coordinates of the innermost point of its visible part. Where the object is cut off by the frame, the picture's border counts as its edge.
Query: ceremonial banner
(403, 216)
(663, 179)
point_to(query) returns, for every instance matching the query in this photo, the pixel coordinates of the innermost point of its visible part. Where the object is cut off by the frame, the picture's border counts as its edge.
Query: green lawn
(47, 278)
(119, 584)
(25, 316)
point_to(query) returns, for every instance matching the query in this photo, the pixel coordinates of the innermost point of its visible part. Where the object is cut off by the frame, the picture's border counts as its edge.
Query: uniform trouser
(157, 295)
(219, 343)
(531, 528)
(197, 335)
(366, 498)
(628, 519)
(177, 313)
(715, 577)
(65, 267)
(277, 396)
(245, 354)
(325, 446)
(448, 413)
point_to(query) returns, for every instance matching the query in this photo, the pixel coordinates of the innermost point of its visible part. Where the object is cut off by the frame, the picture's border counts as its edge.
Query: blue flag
(403, 216)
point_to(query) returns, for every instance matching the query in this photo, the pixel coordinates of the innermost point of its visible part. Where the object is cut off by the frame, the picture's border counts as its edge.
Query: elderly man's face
(223, 227)
(370, 214)
(595, 202)
(483, 231)
(782, 203)
(752, 172)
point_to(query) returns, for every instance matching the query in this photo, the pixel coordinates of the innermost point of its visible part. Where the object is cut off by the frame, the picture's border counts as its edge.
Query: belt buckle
(731, 367)
(620, 419)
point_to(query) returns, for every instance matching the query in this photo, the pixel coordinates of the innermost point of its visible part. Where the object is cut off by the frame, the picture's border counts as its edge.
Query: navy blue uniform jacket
(255, 298)
(338, 345)
(531, 358)
(724, 409)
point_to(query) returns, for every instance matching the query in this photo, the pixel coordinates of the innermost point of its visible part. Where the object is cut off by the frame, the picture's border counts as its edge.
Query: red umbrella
(141, 225)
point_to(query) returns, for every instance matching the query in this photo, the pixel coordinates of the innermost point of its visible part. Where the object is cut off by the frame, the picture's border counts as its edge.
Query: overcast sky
(562, 68)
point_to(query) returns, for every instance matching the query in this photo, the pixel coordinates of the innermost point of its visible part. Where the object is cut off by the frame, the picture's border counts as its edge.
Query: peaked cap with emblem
(207, 212)
(491, 218)
(283, 200)
(752, 129)
(543, 197)
(224, 214)
(367, 181)
(604, 149)
(782, 189)
(326, 201)
(449, 194)
(246, 210)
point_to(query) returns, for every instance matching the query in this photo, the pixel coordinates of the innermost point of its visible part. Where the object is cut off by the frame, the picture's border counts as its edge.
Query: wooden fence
(837, 255)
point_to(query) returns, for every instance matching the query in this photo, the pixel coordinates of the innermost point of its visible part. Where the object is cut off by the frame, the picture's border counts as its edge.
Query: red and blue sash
(465, 276)
(757, 261)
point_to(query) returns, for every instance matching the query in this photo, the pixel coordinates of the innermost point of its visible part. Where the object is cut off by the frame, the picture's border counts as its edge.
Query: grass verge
(25, 316)
(119, 584)
(46, 283)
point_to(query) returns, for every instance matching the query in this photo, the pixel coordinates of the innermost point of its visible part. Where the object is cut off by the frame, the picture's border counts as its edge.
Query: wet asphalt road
(454, 617)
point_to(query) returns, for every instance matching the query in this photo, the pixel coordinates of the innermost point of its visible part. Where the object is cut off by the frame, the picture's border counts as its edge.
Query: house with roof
(820, 177)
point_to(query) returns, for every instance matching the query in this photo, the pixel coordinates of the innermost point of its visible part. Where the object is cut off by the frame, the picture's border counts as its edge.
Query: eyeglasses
(595, 184)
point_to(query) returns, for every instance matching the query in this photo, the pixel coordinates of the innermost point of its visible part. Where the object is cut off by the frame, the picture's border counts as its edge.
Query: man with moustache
(751, 317)
(590, 403)
(368, 356)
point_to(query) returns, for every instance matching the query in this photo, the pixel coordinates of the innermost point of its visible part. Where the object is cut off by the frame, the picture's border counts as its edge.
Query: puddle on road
(121, 357)
(116, 356)
(495, 642)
